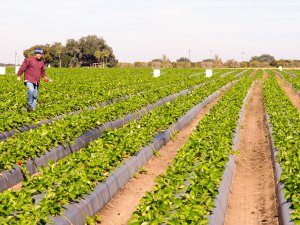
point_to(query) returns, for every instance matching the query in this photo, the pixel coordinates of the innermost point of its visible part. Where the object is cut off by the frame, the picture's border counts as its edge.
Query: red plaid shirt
(34, 69)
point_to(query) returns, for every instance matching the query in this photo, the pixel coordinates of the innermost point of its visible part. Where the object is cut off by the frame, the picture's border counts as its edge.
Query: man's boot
(29, 108)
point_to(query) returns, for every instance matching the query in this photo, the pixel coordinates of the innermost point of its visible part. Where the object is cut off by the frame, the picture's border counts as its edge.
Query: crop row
(295, 72)
(70, 127)
(75, 90)
(74, 176)
(186, 193)
(10, 133)
(295, 82)
(13, 119)
(285, 122)
(34, 143)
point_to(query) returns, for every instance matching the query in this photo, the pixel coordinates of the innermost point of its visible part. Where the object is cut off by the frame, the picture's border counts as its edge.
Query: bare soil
(253, 73)
(252, 200)
(293, 96)
(120, 208)
(18, 186)
(265, 75)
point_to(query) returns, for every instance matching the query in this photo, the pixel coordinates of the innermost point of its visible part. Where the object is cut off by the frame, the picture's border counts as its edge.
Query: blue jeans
(32, 94)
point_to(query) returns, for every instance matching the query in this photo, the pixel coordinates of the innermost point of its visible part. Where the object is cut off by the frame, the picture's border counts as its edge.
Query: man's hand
(46, 79)
(19, 78)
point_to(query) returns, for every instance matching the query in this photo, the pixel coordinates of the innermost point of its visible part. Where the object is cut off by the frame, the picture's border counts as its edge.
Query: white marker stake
(156, 73)
(208, 73)
(17, 69)
(280, 68)
(2, 70)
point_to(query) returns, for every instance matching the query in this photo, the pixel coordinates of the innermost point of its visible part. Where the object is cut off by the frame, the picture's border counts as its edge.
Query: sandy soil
(265, 75)
(294, 97)
(119, 210)
(253, 73)
(252, 200)
(18, 186)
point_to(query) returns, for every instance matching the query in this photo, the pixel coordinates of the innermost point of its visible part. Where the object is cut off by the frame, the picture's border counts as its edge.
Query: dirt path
(265, 75)
(294, 97)
(253, 73)
(252, 200)
(119, 210)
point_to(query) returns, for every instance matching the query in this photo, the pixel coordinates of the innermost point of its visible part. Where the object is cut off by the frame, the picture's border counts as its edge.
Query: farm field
(118, 146)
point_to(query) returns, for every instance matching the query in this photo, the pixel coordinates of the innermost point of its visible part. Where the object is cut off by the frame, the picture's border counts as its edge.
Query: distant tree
(231, 63)
(56, 51)
(217, 62)
(183, 59)
(140, 65)
(99, 55)
(256, 64)
(207, 60)
(295, 64)
(125, 65)
(7, 64)
(156, 60)
(263, 58)
(77, 53)
(284, 63)
(106, 54)
(244, 64)
(206, 63)
(154, 63)
(88, 45)
(273, 63)
(196, 65)
(165, 62)
(73, 51)
(181, 64)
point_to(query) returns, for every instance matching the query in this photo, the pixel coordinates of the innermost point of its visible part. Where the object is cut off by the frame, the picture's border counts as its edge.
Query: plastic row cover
(15, 176)
(240, 74)
(10, 133)
(293, 75)
(218, 215)
(225, 74)
(75, 213)
(288, 83)
(196, 74)
(11, 178)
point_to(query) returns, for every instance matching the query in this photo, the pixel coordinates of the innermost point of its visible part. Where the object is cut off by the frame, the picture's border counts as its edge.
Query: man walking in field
(33, 68)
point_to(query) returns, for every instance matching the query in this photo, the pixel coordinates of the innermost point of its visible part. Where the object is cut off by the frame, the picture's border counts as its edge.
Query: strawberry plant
(76, 175)
(34, 143)
(285, 122)
(86, 87)
(294, 81)
(186, 193)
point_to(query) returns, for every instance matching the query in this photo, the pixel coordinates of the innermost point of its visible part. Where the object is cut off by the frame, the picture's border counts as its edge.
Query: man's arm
(22, 69)
(44, 73)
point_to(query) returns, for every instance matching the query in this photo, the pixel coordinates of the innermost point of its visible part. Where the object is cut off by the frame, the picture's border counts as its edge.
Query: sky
(140, 30)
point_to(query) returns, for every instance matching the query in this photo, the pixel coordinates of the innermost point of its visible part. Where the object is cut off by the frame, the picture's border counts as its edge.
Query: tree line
(93, 51)
(262, 61)
(86, 52)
